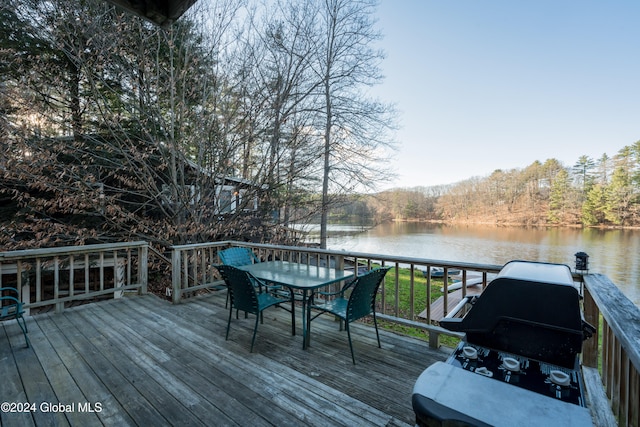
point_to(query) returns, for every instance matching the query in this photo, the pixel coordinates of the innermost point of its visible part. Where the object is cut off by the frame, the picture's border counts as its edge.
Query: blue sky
(498, 84)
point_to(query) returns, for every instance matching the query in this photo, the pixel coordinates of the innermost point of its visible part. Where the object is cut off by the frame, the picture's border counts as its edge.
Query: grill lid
(530, 309)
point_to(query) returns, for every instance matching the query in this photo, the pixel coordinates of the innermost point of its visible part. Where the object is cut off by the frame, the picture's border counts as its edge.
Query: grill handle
(450, 319)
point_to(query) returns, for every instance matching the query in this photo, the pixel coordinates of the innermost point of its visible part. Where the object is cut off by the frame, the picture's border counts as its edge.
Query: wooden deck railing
(618, 333)
(191, 266)
(61, 276)
(614, 353)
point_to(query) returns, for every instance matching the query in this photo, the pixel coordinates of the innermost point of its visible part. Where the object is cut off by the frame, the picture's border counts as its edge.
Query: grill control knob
(484, 371)
(560, 378)
(470, 352)
(511, 364)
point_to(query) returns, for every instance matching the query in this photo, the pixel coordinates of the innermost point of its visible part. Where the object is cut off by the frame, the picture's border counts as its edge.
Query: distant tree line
(114, 129)
(602, 192)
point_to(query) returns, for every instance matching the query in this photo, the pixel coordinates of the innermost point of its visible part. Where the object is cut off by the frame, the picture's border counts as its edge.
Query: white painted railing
(61, 276)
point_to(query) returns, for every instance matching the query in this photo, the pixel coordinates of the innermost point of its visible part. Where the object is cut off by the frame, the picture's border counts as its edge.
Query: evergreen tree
(594, 206)
(583, 171)
(604, 167)
(558, 196)
(618, 197)
(635, 174)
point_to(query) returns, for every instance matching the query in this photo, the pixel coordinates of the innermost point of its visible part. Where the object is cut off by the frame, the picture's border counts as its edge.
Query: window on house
(226, 202)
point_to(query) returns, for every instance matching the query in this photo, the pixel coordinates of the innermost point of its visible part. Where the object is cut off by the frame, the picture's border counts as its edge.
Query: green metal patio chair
(237, 256)
(11, 308)
(248, 294)
(360, 303)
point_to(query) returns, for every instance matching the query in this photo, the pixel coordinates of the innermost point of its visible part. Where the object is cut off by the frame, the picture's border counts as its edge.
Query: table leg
(306, 336)
(293, 312)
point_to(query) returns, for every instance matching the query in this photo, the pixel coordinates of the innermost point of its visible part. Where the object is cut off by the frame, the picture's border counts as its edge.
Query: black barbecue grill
(530, 309)
(526, 331)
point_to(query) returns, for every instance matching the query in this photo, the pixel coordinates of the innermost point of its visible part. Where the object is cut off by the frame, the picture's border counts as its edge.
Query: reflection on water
(611, 252)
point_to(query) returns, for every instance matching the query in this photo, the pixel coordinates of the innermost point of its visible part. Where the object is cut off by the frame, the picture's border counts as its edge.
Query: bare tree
(113, 129)
(119, 138)
(285, 89)
(355, 127)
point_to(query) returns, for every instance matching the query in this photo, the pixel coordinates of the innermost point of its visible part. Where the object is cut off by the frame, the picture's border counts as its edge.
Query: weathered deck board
(11, 383)
(148, 362)
(83, 375)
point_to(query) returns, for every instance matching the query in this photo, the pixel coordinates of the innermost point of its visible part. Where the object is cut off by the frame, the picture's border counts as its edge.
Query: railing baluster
(428, 301)
(86, 273)
(116, 277)
(634, 396)
(128, 267)
(24, 291)
(38, 280)
(412, 270)
(56, 283)
(211, 262)
(101, 268)
(624, 388)
(445, 294)
(203, 265)
(383, 301)
(194, 266)
(19, 275)
(71, 275)
(606, 357)
(143, 268)
(185, 269)
(464, 283)
(616, 383)
(396, 310)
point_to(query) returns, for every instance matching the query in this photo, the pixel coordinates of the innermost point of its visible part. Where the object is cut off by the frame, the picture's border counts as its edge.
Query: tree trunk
(324, 208)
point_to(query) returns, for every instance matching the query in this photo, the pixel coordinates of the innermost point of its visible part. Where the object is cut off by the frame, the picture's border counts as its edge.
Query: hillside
(605, 193)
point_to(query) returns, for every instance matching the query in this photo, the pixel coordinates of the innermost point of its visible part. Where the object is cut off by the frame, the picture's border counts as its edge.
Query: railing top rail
(621, 314)
(68, 250)
(205, 245)
(380, 257)
(489, 268)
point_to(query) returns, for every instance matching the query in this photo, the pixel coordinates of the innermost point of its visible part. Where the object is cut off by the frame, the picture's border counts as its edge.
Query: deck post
(143, 268)
(176, 272)
(24, 287)
(434, 339)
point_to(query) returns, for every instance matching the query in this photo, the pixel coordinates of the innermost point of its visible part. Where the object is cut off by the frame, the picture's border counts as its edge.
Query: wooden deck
(143, 361)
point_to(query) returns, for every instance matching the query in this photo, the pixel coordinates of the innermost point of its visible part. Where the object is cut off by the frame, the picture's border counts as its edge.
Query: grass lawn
(404, 301)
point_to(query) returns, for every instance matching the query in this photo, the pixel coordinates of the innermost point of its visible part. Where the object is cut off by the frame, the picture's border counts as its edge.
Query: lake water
(615, 253)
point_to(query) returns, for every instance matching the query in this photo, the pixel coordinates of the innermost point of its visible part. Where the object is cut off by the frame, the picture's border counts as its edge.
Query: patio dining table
(304, 278)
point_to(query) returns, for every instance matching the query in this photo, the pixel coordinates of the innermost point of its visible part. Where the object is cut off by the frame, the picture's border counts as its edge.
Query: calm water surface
(615, 253)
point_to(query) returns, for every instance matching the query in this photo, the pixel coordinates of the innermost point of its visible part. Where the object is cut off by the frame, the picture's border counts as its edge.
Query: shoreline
(515, 224)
